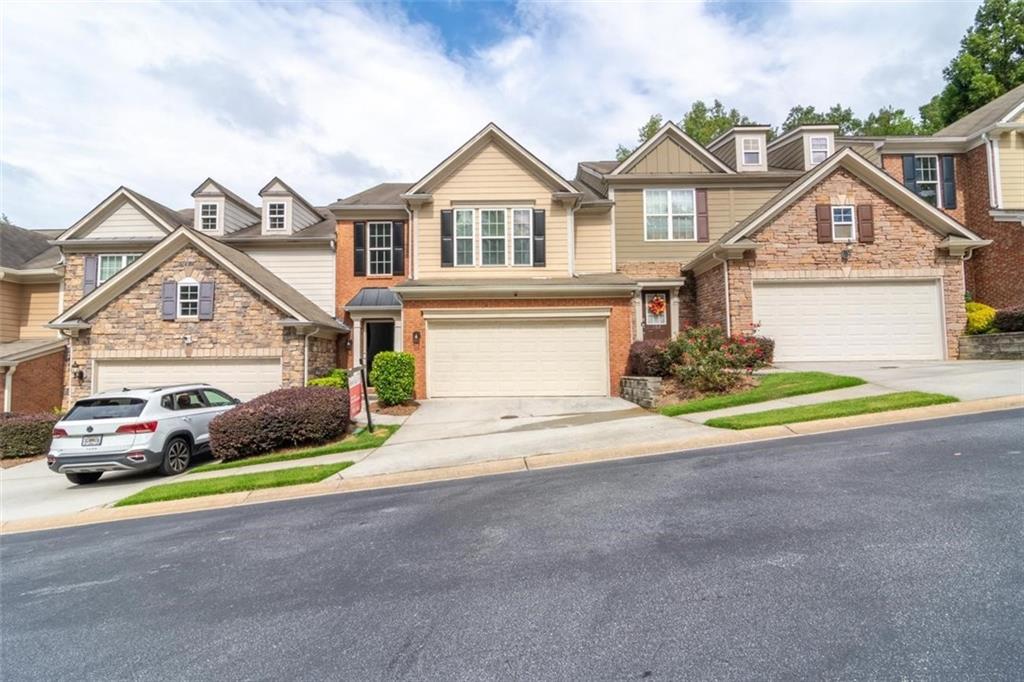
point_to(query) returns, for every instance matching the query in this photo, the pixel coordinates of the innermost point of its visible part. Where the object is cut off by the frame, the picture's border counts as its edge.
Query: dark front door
(380, 336)
(656, 314)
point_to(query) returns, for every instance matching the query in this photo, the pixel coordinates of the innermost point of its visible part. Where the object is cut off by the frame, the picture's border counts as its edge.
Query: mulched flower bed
(674, 392)
(402, 410)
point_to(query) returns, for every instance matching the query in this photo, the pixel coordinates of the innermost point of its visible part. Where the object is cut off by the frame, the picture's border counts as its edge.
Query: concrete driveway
(965, 379)
(451, 432)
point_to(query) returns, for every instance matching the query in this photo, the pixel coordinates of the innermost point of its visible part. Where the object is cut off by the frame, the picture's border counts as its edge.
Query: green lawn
(232, 484)
(772, 387)
(837, 408)
(360, 441)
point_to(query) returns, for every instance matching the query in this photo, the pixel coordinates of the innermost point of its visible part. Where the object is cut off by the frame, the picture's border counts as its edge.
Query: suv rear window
(105, 408)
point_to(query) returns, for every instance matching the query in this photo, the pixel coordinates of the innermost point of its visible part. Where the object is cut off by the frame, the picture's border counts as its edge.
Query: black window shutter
(206, 300)
(169, 300)
(539, 227)
(359, 249)
(398, 247)
(948, 182)
(447, 239)
(909, 173)
(89, 278)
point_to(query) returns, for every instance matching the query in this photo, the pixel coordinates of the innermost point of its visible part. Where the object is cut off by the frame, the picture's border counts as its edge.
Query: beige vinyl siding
(491, 178)
(235, 217)
(726, 207)
(593, 243)
(309, 270)
(789, 155)
(10, 311)
(125, 221)
(668, 157)
(1011, 168)
(39, 305)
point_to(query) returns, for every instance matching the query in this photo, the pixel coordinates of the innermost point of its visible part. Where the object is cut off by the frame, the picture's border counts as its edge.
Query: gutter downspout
(725, 273)
(8, 386)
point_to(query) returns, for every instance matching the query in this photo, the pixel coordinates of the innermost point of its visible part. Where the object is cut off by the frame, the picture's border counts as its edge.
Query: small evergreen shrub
(393, 376)
(980, 317)
(23, 435)
(705, 359)
(1010, 319)
(336, 378)
(648, 359)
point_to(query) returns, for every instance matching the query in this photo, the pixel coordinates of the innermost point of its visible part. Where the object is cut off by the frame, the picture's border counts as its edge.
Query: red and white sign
(355, 393)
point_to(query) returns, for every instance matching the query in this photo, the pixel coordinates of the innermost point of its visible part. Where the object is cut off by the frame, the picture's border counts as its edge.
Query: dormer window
(275, 215)
(819, 149)
(208, 217)
(751, 151)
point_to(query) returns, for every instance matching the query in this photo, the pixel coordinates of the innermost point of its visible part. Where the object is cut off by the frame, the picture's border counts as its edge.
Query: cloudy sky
(336, 97)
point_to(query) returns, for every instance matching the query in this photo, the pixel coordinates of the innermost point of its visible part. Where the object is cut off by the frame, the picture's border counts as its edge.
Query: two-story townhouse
(225, 292)
(31, 356)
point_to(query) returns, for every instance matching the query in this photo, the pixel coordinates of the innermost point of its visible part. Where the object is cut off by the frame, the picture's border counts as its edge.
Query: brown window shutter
(865, 223)
(823, 214)
(703, 234)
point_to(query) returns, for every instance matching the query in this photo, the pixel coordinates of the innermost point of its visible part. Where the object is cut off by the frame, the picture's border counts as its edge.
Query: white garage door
(517, 357)
(242, 378)
(851, 320)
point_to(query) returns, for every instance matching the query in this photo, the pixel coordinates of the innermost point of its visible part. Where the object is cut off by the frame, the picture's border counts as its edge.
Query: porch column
(356, 356)
(673, 302)
(638, 304)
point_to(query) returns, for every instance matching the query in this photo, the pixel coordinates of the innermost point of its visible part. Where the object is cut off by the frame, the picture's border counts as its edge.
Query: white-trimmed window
(670, 214)
(843, 229)
(751, 151)
(464, 252)
(819, 149)
(275, 215)
(188, 298)
(522, 236)
(208, 217)
(379, 239)
(111, 264)
(492, 236)
(926, 175)
(655, 310)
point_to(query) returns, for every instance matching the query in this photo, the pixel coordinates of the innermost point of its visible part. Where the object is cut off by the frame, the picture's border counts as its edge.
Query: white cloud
(335, 98)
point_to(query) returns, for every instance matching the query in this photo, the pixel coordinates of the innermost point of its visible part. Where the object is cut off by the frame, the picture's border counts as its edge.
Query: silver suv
(134, 430)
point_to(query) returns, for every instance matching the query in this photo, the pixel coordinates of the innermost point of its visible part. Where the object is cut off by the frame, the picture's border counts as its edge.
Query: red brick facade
(710, 288)
(37, 385)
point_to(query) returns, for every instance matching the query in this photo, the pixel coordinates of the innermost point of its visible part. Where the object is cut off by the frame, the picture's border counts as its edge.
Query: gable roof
(167, 219)
(384, 195)
(265, 191)
(283, 296)
(862, 169)
(25, 249)
(997, 111)
(227, 193)
(490, 133)
(673, 132)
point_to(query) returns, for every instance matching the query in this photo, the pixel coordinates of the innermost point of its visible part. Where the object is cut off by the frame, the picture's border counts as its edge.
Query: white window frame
(811, 150)
(744, 151)
(937, 181)
(504, 235)
(123, 257)
(189, 283)
(528, 238)
(203, 217)
(852, 223)
(671, 232)
(471, 237)
(370, 249)
(271, 205)
(647, 310)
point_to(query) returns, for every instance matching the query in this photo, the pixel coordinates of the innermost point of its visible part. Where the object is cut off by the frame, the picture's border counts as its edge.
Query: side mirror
(237, 401)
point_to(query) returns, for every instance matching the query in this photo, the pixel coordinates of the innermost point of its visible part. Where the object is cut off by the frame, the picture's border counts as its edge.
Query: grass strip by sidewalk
(837, 408)
(772, 387)
(181, 490)
(363, 440)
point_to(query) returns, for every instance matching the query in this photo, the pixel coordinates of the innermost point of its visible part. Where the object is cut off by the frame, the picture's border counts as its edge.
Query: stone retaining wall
(643, 391)
(1007, 346)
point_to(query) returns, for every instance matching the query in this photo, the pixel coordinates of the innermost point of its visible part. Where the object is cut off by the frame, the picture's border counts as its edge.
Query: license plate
(91, 440)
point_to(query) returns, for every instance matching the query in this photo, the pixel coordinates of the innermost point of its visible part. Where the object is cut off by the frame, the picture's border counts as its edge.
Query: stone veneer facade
(243, 325)
(788, 249)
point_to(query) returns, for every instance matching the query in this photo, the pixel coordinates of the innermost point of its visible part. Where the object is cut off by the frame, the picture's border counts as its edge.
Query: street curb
(337, 484)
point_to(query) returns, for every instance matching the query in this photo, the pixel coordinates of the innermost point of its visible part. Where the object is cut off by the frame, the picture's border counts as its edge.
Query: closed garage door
(851, 320)
(242, 378)
(517, 357)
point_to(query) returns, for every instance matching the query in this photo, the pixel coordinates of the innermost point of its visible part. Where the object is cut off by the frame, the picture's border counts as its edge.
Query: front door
(656, 313)
(380, 336)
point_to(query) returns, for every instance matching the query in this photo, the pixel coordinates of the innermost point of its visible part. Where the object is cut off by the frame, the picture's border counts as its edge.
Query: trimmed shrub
(23, 435)
(749, 352)
(647, 359)
(393, 376)
(280, 419)
(699, 359)
(336, 378)
(979, 317)
(1010, 319)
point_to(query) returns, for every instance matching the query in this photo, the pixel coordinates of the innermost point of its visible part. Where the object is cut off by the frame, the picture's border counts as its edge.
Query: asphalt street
(887, 553)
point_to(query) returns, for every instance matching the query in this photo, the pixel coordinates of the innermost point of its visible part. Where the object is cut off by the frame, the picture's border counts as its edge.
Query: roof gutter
(514, 291)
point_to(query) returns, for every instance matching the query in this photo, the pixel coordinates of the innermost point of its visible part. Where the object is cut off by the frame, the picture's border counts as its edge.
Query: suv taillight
(141, 427)
(60, 433)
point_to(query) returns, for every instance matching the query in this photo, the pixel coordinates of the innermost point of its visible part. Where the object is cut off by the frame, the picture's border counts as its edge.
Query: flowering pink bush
(705, 359)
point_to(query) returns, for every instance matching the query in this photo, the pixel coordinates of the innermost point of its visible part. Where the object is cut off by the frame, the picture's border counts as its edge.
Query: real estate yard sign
(355, 392)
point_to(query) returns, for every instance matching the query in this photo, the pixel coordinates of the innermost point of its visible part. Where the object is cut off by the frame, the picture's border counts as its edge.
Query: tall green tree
(989, 63)
(836, 115)
(704, 123)
(888, 121)
(644, 133)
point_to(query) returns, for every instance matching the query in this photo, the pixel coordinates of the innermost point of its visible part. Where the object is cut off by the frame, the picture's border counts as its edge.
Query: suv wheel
(84, 477)
(177, 455)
